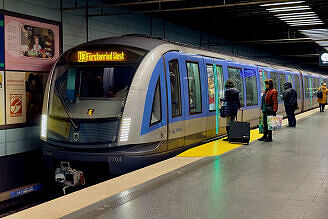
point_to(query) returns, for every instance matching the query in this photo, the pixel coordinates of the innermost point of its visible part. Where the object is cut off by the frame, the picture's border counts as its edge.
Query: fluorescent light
(318, 22)
(315, 31)
(296, 20)
(291, 9)
(294, 25)
(282, 3)
(299, 17)
(304, 21)
(286, 8)
(297, 13)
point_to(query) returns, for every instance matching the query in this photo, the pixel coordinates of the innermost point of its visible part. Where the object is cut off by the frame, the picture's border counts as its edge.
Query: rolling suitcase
(240, 132)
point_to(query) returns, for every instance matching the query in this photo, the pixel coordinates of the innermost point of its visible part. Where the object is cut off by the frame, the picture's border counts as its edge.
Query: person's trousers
(291, 118)
(229, 119)
(322, 107)
(267, 133)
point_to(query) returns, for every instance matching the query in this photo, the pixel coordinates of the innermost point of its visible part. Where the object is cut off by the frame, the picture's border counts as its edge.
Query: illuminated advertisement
(2, 98)
(2, 49)
(30, 45)
(15, 97)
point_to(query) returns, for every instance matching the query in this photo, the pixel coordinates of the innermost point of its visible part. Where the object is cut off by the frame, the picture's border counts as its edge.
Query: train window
(251, 87)
(219, 72)
(234, 74)
(263, 76)
(282, 80)
(317, 84)
(306, 87)
(175, 88)
(194, 88)
(290, 78)
(274, 77)
(156, 112)
(297, 85)
(211, 87)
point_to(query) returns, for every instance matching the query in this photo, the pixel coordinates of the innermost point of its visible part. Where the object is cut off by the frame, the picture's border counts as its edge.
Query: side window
(234, 74)
(282, 80)
(306, 87)
(251, 87)
(297, 85)
(317, 84)
(274, 77)
(211, 87)
(156, 112)
(194, 88)
(175, 88)
(290, 78)
(219, 71)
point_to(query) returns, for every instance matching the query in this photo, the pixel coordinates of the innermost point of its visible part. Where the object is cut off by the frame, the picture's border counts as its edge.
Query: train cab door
(175, 102)
(215, 91)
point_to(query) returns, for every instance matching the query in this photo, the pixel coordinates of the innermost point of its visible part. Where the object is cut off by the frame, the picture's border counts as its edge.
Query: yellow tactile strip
(219, 147)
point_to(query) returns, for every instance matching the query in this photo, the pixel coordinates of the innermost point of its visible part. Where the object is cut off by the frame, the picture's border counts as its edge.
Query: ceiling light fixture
(282, 3)
(297, 13)
(290, 9)
(299, 17)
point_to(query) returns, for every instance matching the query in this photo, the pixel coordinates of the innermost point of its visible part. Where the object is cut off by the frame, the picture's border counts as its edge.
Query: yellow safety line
(217, 147)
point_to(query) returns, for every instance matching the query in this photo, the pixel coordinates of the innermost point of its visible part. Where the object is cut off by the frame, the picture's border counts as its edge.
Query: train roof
(148, 43)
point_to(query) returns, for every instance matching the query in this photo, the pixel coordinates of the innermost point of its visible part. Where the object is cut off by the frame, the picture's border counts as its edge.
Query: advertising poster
(15, 97)
(2, 98)
(34, 87)
(30, 45)
(2, 49)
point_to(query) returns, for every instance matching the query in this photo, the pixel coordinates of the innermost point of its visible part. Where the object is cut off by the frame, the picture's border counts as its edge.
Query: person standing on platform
(290, 102)
(231, 104)
(269, 107)
(323, 99)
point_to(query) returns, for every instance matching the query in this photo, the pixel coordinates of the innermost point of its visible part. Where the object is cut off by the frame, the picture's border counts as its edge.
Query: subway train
(118, 104)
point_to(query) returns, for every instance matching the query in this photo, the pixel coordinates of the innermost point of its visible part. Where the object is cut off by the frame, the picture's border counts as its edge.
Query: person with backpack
(230, 106)
(290, 102)
(322, 96)
(269, 107)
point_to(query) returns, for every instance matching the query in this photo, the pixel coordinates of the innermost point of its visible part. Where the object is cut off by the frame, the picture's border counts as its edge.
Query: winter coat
(324, 90)
(290, 97)
(271, 99)
(231, 102)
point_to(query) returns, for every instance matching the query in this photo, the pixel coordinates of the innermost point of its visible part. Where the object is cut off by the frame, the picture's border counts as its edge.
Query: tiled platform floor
(287, 178)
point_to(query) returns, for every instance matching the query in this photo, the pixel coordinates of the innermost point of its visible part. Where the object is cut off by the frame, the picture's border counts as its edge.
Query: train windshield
(88, 91)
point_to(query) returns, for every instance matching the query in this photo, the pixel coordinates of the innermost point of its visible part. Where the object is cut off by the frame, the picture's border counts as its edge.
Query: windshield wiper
(65, 107)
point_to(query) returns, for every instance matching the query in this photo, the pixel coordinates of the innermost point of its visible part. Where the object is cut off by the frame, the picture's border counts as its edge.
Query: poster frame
(6, 71)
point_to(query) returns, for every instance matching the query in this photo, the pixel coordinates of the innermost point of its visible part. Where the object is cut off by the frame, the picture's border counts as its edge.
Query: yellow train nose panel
(217, 147)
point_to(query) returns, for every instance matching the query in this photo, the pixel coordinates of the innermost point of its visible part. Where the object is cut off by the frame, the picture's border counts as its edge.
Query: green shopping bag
(261, 127)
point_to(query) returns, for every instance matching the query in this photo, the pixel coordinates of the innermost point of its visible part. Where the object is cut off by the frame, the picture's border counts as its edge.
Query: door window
(194, 88)
(175, 88)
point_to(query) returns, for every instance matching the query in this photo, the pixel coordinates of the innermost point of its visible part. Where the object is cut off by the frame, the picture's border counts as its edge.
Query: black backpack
(320, 94)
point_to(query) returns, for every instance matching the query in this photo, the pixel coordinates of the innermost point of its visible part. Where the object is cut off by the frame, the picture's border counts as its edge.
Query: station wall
(18, 140)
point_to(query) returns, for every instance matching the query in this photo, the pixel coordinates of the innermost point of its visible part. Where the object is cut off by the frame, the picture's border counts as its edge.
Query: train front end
(82, 111)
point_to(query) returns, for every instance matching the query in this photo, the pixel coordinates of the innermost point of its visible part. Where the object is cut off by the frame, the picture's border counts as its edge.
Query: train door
(195, 96)
(215, 86)
(176, 104)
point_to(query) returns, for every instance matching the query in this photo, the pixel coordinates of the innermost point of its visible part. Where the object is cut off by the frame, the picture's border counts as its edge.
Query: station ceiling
(275, 26)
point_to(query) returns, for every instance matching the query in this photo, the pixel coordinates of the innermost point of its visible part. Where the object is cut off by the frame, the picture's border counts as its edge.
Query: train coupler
(67, 177)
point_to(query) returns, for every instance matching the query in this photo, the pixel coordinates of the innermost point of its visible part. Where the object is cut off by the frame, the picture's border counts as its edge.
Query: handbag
(261, 125)
(274, 122)
(320, 94)
(222, 111)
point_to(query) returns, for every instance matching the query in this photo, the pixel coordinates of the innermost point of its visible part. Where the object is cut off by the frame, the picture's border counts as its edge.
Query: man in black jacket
(290, 102)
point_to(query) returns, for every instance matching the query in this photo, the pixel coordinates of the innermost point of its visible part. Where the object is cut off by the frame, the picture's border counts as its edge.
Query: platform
(286, 178)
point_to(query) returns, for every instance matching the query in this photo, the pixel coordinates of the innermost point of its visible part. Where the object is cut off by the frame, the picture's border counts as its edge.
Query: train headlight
(125, 129)
(44, 123)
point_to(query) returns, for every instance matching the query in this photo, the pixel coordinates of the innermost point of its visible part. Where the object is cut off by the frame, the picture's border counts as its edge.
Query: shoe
(226, 139)
(262, 139)
(268, 140)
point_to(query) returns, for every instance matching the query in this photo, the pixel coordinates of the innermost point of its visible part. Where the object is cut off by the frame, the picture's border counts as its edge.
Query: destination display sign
(84, 56)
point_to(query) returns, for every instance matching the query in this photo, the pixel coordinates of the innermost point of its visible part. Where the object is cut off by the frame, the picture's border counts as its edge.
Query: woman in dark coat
(269, 107)
(290, 102)
(231, 105)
